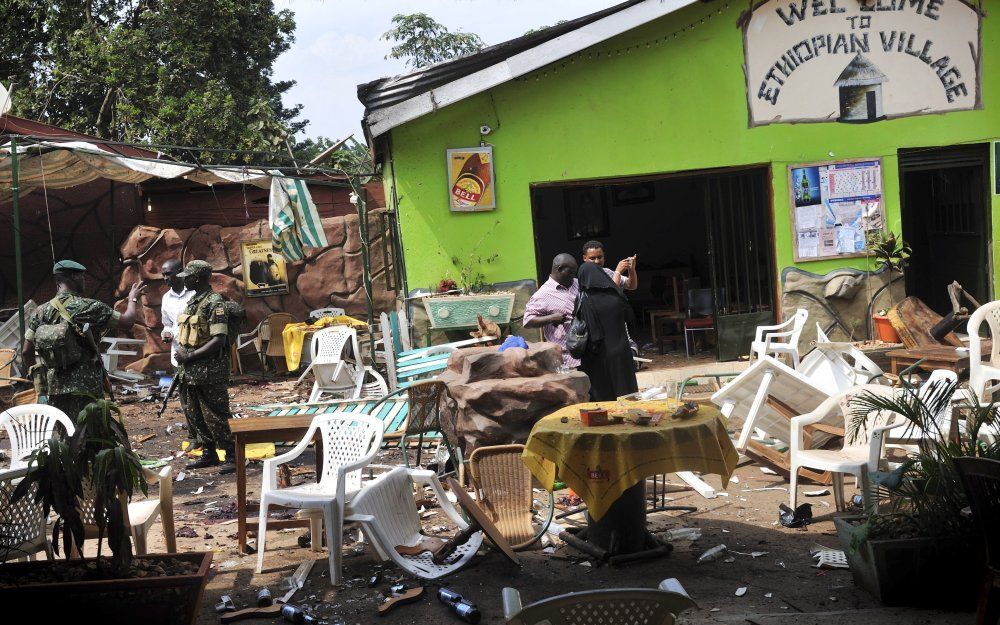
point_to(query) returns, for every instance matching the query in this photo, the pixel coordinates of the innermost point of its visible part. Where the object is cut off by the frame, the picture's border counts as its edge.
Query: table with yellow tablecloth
(294, 335)
(600, 463)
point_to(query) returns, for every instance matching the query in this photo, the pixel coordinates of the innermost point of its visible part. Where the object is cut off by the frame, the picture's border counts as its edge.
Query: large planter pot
(884, 330)
(166, 600)
(460, 311)
(920, 572)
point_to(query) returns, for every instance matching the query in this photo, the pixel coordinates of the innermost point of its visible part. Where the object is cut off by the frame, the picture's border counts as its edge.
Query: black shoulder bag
(579, 334)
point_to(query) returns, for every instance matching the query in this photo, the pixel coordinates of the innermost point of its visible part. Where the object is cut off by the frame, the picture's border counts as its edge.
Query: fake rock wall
(330, 276)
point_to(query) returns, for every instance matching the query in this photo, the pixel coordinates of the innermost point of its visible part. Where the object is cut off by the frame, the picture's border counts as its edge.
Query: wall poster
(470, 179)
(834, 207)
(860, 61)
(263, 270)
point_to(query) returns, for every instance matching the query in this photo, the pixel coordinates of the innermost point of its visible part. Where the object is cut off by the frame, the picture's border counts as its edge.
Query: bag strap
(61, 309)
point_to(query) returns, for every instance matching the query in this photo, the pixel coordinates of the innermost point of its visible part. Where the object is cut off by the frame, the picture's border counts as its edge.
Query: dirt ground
(782, 586)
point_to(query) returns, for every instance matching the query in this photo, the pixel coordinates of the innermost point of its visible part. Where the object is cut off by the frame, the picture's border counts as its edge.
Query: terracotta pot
(169, 600)
(884, 329)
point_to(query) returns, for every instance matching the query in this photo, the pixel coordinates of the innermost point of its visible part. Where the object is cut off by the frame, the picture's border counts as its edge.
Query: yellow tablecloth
(601, 463)
(294, 335)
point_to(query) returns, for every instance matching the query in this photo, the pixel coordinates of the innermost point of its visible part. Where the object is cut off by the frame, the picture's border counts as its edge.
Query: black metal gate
(741, 257)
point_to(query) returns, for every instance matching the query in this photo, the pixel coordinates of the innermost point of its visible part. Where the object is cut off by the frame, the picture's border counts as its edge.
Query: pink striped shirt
(549, 299)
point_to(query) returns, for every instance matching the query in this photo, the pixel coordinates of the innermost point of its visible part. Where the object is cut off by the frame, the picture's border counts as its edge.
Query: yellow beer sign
(263, 270)
(470, 179)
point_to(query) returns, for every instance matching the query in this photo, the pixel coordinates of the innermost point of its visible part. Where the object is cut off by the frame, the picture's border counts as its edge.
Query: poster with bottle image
(470, 179)
(835, 205)
(263, 270)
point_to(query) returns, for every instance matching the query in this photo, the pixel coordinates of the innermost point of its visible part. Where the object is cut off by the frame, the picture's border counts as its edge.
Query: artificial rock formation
(329, 276)
(501, 395)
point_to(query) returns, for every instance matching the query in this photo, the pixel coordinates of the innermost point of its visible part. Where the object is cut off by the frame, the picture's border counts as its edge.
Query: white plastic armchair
(864, 449)
(781, 339)
(649, 606)
(912, 434)
(984, 377)
(141, 514)
(384, 508)
(22, 523)
(350, 441)
(29, 426)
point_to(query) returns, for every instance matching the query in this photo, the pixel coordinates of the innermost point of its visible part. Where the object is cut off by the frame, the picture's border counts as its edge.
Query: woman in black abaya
(608, 360)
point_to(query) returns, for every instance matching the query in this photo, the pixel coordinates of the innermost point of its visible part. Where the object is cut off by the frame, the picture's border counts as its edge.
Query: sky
(338, 46)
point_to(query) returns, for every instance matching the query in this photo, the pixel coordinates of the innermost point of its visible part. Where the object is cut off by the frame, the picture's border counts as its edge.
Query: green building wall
(630, 107)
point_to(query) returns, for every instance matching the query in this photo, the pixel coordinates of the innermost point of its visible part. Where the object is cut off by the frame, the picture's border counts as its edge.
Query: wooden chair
(503, 488)
(7, 378)
(981, 478)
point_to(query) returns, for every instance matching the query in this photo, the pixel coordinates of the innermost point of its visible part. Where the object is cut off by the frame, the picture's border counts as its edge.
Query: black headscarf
(601, 297)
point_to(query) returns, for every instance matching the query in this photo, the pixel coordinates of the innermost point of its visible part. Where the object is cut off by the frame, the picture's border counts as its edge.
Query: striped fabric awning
(295, 222)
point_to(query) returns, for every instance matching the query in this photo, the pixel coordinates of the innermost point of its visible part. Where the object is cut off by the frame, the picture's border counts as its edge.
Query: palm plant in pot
(913, 545)
(892, 254)
(88, 479)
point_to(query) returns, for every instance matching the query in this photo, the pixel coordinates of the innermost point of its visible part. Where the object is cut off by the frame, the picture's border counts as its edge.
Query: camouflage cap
(196, 268)
(67, 266)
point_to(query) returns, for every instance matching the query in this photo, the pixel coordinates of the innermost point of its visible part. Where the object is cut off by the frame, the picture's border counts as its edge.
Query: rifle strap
(69, 319)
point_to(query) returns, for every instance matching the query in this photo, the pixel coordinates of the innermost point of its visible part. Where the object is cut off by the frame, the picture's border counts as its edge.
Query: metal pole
(15, 190)
(362, 194)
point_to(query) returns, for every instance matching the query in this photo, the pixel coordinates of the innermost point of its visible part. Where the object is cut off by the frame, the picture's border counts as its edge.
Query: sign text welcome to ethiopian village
(859, 61)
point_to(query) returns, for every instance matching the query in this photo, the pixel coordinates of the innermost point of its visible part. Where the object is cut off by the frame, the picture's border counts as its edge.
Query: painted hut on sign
(860, 87)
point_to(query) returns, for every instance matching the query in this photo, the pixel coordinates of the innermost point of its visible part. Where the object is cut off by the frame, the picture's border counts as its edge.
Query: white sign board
(860, 61)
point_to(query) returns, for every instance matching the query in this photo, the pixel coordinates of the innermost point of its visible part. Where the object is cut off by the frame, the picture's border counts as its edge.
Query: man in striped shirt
(551, 307)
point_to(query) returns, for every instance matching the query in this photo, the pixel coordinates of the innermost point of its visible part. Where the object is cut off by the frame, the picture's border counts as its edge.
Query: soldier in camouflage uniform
(203, 367)
(70, 389)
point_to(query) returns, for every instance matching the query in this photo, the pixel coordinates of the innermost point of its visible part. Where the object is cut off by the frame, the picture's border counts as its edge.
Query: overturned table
(607, 465)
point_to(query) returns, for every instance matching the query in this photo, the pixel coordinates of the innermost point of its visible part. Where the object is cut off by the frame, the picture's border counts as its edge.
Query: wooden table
(266, 430)
(939, 357)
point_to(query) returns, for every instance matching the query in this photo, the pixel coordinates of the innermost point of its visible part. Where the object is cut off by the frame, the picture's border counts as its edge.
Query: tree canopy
(423, 41)
(159, 71)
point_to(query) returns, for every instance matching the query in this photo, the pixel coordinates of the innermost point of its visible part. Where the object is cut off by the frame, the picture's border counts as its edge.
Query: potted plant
(914, 546)
(892, 254)
(459, 304)
(96, 464)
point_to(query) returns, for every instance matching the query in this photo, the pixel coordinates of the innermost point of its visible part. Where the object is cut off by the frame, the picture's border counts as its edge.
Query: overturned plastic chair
(781, 339)
(29, 426)
(142, 513)
(619, 606)
(350, 442)
(337, 368)
(388, 517)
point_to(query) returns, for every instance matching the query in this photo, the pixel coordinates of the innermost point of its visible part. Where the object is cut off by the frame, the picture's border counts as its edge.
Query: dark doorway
(945, 214)
(699, 230)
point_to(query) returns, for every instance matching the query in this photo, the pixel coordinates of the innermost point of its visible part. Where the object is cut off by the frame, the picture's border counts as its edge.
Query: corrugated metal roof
(388, 91)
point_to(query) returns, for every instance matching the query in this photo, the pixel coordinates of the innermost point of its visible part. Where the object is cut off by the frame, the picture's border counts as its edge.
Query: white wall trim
(385, 119)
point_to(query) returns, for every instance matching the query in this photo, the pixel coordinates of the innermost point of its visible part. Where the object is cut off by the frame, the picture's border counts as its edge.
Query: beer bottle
(472, 181)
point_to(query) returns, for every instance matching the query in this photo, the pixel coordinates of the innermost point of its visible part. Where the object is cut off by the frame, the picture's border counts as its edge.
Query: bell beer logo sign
(860, 61)
(470, 178)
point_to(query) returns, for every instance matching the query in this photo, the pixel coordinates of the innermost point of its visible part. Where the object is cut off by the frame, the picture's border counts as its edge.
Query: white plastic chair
(143, 514)
(865, 449)
(384, 508)
(319, 313)
(337, 372)
(984, 377)
(838, 365)
(22, 523)
(350, 441)
(911, 434)
(781, 339)
(627, 606)
(29, 426)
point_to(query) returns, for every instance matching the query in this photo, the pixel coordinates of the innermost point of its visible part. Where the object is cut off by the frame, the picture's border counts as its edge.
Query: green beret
(196, 268)
(67, 266)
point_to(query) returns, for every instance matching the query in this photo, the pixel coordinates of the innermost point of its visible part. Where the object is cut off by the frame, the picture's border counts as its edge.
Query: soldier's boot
(229, 464)
(208, 459)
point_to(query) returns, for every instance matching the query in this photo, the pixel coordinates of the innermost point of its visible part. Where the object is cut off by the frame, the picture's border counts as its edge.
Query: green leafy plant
(95, 466)
(888, 250)
(924, 494)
